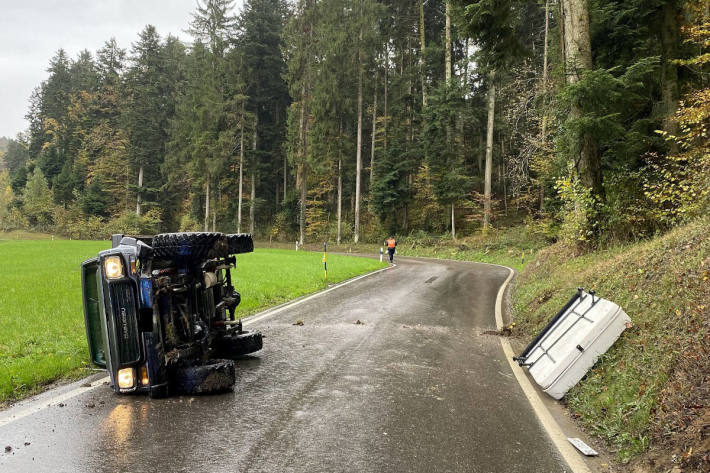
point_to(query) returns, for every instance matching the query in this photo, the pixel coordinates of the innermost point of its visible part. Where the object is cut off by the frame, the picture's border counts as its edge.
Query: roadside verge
(557, 436)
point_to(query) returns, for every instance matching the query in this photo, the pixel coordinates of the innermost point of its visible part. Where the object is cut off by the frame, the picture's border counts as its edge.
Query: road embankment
(648, 397)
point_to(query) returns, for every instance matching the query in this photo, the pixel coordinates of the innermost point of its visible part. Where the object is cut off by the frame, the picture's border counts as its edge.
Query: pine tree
(37, 201)
(300, 55)
(261, 24)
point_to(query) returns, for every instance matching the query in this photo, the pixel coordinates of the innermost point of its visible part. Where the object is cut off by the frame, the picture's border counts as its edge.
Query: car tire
(239, 344)
(240, 243)
(210, 377)
(188, 246)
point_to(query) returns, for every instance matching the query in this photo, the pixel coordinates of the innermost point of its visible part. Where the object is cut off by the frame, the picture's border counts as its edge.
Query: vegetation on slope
(651, 388)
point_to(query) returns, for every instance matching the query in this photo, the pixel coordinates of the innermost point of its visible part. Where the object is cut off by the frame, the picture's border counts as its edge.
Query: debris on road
(504, 332)
(299, 322)
(8, 449)
(359, 322)
(582, 447)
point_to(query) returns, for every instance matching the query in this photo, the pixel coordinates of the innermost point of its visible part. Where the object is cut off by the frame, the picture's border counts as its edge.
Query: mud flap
(194, 377)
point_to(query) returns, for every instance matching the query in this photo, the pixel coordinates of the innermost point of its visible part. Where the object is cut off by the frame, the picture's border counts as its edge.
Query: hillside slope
(649, 396)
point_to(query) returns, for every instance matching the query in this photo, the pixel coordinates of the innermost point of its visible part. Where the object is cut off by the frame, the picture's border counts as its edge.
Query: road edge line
(558, 438)
(38, 405)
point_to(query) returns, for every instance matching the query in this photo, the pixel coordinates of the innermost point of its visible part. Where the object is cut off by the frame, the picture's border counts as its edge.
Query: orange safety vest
(391, 243)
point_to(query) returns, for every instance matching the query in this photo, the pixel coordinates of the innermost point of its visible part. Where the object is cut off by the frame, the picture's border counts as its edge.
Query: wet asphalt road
(417, 388)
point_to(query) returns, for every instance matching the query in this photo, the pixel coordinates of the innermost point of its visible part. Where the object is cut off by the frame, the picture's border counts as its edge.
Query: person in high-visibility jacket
(391, 244)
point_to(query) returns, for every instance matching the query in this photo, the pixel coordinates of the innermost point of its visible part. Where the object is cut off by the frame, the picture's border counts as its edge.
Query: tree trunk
(252, 206)
(302, 215)
(670, 42)
(578, 58)
(252, 200)
(447, 65)
(340, 197)
(140, 187)
(207, 205)
(544, 54)
(447, 50)
(502, 175)
(303, 173)
(543, 130)
(387, 63)
(241, 174)
(358, 152)
(374, 136)
(422, 42)
(489, 152)
(285, 177)
(453, 220)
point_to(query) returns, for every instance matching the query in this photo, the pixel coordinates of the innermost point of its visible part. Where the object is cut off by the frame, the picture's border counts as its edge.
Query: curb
(558, 438)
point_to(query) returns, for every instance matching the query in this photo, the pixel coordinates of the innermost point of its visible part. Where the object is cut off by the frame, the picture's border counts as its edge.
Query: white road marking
(559, 439)
(34, 407)
(38, 405)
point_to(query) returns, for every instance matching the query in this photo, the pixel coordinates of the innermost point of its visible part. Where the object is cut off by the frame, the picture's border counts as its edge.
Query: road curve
(415, 387)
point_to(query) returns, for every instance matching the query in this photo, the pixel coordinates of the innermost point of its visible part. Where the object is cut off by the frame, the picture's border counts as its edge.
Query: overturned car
(160, 312)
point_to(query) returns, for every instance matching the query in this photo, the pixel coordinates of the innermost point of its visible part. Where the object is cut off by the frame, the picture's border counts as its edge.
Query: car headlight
(126, 378)
(113, 267)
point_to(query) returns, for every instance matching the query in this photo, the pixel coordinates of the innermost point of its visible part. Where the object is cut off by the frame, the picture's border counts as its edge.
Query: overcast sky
(31, 31)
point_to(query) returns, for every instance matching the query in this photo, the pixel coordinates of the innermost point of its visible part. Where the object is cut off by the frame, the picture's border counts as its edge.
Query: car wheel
(238, 344)
(188, 246)
(240, 243)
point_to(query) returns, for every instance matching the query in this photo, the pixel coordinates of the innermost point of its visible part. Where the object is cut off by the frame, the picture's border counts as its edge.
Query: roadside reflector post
(325, 261)
(381, 254)
(296, 245)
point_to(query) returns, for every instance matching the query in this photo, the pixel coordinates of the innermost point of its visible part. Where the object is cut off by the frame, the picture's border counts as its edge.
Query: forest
(344, 120)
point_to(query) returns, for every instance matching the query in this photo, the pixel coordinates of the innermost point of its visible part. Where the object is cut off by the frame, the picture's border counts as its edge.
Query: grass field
(42, 334)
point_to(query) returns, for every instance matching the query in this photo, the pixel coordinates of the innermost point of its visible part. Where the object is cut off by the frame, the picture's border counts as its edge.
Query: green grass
(271, 276)
(633, 395)
(41, 324)
(42, 334)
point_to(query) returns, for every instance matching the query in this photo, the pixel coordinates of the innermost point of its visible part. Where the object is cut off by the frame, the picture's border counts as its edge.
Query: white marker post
(380, 254)
(296, 245)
